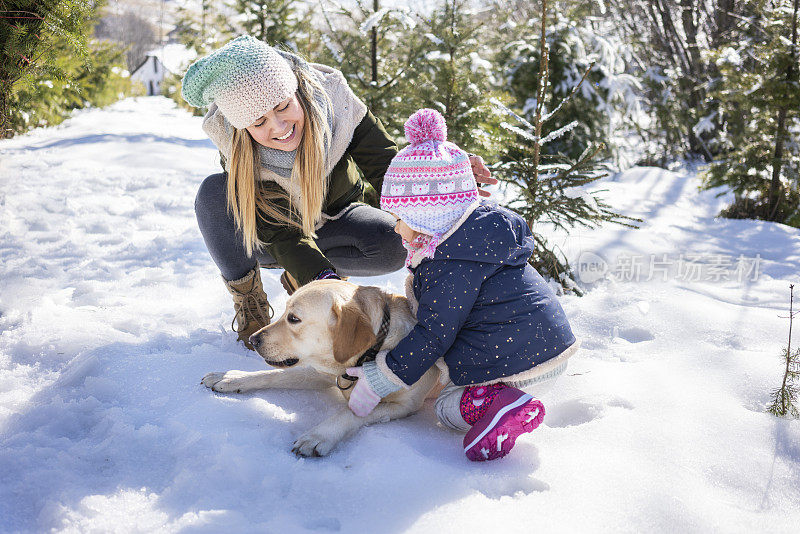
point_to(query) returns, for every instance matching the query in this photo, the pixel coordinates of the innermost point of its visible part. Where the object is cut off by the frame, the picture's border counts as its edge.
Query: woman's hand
(482, 174)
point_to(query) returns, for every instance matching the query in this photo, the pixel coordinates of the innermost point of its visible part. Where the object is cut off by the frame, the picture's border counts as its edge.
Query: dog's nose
(255, 340)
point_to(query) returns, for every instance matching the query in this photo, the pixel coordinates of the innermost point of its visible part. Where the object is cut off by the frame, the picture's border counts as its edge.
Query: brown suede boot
(253, 311)
(289, 283)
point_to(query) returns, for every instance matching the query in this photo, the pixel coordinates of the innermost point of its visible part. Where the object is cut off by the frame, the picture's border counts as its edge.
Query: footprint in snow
(633, 334)
(577, 412)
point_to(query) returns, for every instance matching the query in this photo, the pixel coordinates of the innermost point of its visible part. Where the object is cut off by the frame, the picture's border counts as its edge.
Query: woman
(292, 138)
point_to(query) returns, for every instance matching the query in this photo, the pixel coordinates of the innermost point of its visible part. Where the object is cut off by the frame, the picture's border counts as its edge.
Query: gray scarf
(280, 161)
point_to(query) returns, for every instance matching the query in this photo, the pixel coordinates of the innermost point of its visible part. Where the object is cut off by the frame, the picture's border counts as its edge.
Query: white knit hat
(246, 78)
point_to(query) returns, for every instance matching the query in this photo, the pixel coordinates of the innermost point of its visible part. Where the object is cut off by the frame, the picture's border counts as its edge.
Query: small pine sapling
(543, 188)
(785, 397)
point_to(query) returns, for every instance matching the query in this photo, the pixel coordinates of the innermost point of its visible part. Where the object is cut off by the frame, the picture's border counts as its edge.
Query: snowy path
(111, 311)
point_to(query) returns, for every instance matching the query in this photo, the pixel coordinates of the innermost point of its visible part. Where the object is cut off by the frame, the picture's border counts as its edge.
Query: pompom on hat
(429, 184)
(246, 78)
(425, 125)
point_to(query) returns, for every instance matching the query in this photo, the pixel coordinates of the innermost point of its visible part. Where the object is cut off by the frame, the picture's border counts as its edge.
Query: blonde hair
(249, 199)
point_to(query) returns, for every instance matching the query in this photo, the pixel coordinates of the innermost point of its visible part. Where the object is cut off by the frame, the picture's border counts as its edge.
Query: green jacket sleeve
(296, 253)
(372, 149)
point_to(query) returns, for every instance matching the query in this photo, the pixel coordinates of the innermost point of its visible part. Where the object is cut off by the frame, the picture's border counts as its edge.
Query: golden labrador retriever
(326, 326)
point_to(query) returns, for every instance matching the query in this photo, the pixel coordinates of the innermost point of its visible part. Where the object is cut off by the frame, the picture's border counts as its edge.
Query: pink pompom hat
(429, 183)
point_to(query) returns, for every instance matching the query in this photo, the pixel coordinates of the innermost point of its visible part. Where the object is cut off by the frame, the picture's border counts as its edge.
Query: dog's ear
(353, 333)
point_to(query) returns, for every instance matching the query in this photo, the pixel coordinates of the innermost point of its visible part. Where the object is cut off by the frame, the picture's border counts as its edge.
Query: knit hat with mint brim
(246, 78)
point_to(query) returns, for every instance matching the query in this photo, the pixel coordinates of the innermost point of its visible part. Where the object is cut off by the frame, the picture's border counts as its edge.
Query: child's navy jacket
(481, 305)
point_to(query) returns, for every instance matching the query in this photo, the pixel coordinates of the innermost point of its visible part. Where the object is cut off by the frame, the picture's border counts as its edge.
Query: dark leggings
(361, 242)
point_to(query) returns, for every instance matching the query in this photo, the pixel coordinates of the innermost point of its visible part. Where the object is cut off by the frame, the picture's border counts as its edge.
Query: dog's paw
(227, 382)
(313, 444)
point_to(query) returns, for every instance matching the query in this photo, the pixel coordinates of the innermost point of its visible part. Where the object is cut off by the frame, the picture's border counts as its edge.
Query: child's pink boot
(499, 414)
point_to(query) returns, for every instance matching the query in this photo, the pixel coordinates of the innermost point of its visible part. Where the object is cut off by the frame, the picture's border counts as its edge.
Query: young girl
(479, 305)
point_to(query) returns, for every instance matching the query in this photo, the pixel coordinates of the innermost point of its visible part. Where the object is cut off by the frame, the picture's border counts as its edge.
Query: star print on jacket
(482, 306)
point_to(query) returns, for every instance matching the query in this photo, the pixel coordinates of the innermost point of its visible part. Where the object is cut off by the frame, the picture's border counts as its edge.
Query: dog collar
(370, 354)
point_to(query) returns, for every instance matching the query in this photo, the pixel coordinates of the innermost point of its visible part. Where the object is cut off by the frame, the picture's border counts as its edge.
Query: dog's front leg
(243, 381)
(321, 439)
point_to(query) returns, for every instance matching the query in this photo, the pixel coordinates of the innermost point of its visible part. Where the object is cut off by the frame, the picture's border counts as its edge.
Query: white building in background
(170, 58)
(150, 73)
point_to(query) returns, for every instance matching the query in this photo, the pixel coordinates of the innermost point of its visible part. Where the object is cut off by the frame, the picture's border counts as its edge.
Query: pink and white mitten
(362, 400)
(370, 388)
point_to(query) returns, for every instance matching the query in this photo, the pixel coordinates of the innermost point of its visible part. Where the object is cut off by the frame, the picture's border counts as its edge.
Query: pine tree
(272, 21)
(609, 100)
(376, 50)
(455, 78)
(670, 39)
(205, 30)
(28, 33)
(202, 31)
(97, 81)
(785, 397)
(546, 190)
(759, 97)
(73, 70)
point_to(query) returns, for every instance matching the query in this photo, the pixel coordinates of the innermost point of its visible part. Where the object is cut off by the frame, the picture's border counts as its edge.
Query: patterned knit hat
(246, 78)
(429, 184)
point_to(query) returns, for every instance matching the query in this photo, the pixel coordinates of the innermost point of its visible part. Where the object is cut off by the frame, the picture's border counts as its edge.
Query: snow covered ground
(111, 311)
